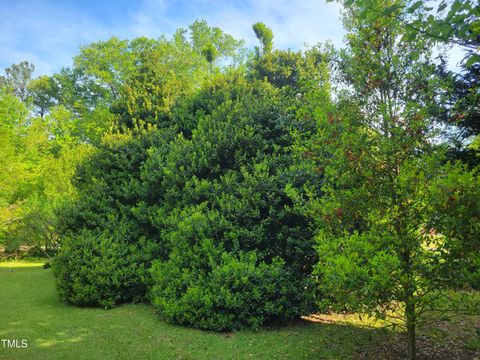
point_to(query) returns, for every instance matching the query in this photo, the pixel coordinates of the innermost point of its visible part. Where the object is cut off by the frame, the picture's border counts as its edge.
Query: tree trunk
(410, 317)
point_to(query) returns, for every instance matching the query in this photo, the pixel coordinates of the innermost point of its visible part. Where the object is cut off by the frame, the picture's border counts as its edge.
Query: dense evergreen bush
(208, 288)
(197, 189)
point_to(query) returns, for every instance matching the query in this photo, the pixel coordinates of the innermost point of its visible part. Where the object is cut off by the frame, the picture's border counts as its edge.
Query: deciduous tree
(384, 236)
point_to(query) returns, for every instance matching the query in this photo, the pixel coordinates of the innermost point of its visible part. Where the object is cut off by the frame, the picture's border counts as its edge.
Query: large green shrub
(208, 288)
(199, 190)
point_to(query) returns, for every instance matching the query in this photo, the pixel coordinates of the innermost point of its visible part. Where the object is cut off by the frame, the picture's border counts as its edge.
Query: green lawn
(30, 310)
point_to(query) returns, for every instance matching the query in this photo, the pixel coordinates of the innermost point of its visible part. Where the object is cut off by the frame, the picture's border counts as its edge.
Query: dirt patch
(394, 348)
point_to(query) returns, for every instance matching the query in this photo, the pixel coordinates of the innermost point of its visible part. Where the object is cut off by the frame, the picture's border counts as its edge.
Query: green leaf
(391, 9)
(472, 60)
(444, 30)
(414, 7)
(442, 7)
(411, 35)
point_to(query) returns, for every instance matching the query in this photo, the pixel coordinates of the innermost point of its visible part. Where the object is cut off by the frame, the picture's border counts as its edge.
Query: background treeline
(232, 187)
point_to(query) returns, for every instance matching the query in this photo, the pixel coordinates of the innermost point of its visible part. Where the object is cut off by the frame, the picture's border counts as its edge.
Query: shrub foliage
(187, 206)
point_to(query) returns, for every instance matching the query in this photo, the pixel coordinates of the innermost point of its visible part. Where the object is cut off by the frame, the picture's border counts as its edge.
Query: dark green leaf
(414, 7)
(442, 7)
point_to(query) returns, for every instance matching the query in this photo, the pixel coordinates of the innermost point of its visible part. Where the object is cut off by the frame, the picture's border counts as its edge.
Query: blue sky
(48, 33)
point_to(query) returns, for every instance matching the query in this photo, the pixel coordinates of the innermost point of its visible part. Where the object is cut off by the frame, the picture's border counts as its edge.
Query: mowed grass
(31, 310)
